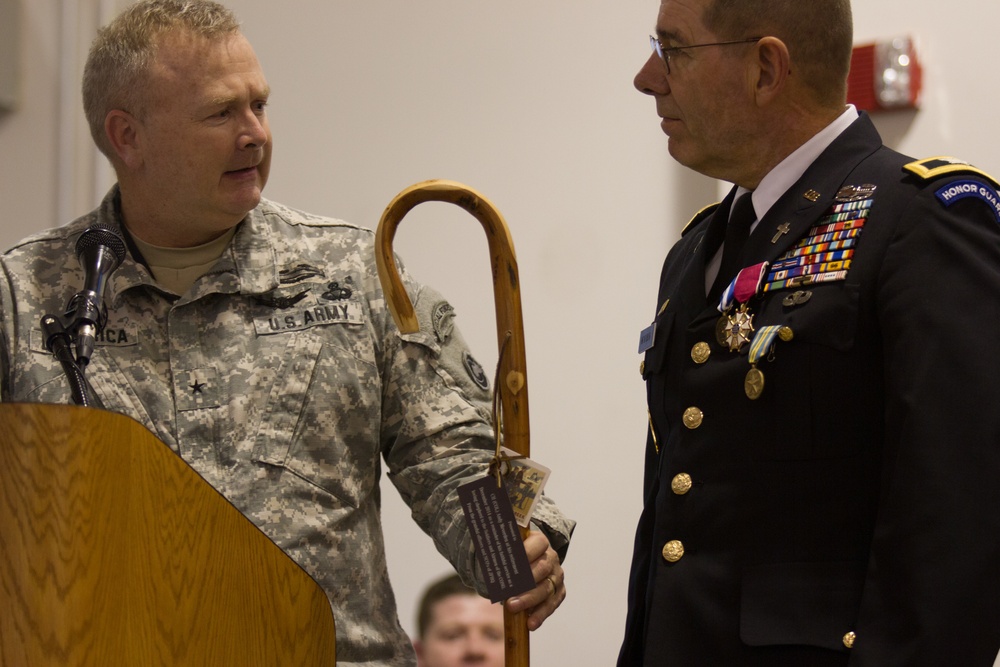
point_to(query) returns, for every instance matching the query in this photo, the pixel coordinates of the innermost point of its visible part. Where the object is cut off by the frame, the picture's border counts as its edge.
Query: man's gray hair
(120, 58)
(819, 35)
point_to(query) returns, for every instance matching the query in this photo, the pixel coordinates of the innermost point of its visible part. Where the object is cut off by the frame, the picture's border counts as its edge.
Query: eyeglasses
(666, 54)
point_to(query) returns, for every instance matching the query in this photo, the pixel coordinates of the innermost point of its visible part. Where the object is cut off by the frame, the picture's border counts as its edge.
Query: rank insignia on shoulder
(933, 167)
(699, 216)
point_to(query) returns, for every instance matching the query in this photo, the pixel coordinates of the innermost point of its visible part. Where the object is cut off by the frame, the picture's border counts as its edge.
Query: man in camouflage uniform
(254, 339)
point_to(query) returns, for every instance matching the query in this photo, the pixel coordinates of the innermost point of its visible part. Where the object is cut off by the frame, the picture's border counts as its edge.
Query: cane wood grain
(510, 329)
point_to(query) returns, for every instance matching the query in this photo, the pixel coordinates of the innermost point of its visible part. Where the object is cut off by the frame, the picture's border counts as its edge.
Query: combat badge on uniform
(303, 305)
(298, 273)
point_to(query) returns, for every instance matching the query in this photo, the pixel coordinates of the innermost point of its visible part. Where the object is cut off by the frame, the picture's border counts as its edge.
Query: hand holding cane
(511, 385)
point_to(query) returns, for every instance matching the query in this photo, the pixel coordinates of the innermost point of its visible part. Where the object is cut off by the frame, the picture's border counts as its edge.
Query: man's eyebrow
(667, 35)
(226, 100)
(221, 101)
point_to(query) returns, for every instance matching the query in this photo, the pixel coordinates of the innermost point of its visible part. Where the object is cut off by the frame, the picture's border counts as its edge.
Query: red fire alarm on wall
(884, 76)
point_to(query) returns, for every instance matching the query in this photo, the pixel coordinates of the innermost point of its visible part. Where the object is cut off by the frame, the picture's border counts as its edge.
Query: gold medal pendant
(754, 383)
(721, 329)
(739, 326)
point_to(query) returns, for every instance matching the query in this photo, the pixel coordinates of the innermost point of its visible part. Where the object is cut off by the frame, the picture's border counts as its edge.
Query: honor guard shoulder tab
(957, 188)
(699, 216)
(934, 167)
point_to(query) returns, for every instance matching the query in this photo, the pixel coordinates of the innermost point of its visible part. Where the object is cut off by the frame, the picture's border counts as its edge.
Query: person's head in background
(457, 627)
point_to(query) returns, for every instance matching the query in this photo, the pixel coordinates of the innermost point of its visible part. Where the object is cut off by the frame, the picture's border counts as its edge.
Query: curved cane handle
(507, 295)
(510, 329)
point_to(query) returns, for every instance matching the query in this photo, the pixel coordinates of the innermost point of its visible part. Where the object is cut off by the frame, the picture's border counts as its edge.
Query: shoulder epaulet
(699, 216)
(934, 167)
(956, 190)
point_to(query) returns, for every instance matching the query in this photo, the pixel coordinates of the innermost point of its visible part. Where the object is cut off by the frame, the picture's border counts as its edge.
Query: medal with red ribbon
(736, 324)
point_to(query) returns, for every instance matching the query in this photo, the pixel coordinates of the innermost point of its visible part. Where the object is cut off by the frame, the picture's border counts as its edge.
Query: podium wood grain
(113, 551)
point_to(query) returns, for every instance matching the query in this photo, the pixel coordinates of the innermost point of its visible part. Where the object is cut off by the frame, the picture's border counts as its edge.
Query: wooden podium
(114, 552)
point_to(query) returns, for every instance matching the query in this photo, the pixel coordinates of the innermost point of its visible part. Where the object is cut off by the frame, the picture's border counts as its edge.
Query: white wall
(531, 103)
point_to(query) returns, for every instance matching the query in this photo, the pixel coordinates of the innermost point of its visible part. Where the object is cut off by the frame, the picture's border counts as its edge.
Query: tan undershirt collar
(176, 269)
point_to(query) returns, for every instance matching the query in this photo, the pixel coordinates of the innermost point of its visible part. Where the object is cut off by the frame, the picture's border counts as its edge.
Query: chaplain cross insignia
(782, 230)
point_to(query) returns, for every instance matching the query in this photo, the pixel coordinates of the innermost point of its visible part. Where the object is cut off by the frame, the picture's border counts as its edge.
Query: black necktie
(737, 233)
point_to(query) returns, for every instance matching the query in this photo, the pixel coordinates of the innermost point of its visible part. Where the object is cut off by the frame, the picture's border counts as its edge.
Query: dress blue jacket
(849, 513)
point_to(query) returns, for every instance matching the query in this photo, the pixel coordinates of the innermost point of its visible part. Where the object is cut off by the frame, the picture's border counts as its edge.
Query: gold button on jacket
(681, 483)
(673, 551)
(693, 417)
(701, 352)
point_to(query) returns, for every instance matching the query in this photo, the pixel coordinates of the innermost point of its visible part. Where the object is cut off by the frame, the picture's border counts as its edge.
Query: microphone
(100, 250)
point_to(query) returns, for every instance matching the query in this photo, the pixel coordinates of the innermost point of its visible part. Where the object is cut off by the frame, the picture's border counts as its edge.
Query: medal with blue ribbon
(735, 326)
(763, 344)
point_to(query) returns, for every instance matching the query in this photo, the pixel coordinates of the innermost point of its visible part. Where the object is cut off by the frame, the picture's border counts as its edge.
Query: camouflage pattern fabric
(281, 378)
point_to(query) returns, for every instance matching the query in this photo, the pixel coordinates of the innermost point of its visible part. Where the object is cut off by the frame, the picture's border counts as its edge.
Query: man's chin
(244, 202)
(677, 152)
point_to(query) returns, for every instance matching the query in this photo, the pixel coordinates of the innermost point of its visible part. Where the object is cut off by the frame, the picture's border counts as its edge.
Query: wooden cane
(512, 378)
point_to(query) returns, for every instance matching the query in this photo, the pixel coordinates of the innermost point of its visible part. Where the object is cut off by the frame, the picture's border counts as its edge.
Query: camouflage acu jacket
(282, 380)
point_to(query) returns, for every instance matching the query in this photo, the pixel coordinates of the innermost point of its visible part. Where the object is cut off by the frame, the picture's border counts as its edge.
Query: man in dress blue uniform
(823, 456)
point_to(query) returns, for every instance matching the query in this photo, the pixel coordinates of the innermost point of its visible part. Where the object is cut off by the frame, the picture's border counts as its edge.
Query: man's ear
(418, 648)
(124, 134)
(773, 66)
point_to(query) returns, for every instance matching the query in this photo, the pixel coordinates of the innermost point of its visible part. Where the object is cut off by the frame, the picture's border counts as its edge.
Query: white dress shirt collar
(789, 170)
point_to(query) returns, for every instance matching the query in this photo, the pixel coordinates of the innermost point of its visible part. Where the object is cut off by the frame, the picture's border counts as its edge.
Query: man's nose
(651, 78)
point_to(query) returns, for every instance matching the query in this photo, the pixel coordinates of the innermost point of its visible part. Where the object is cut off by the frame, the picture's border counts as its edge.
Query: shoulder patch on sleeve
(934, 167)
(699, 216)
(957, 190)
(476, 371)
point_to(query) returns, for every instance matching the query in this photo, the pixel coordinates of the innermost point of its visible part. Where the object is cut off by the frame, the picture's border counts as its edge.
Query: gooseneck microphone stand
(100, 249)
(59, 343)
